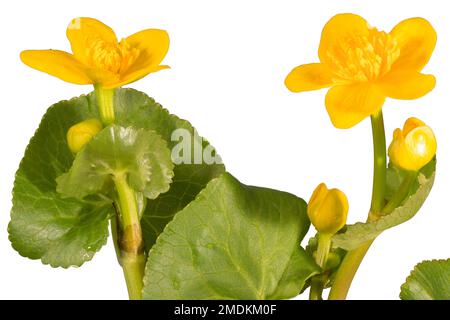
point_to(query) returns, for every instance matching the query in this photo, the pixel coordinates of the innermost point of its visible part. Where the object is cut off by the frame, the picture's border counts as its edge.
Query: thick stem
(315, 292)
(133, 269)
(318, 282)
(346, 272)
(105, 102)
(350, 264)
(132, 257)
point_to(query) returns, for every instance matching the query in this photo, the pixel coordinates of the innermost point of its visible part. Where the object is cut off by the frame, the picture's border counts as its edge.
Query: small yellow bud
(81, 133)
(327, 209)
(414, 146)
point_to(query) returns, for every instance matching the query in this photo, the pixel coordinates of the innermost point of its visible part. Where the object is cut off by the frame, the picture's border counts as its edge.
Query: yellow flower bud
(414, 146)
(327, 209)
(81, 133)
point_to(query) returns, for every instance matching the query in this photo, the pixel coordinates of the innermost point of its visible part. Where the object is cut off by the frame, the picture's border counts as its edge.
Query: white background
(229, 60)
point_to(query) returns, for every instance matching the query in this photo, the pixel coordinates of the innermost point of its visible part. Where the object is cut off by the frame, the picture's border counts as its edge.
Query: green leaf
(60, 232)
(68, 231)
(430, 280)
(140, 155)
(136, 109)
(232, 242)
(357, 234)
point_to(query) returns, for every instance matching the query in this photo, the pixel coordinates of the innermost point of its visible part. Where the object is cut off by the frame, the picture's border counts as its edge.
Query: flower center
(364, 58)
(113, 57)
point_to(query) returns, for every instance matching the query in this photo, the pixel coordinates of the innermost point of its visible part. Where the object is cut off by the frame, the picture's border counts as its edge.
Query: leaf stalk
(352, 260)
(129, 238)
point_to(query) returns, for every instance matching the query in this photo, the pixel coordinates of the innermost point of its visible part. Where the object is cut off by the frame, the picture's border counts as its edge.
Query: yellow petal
(309, 77)
(347, 105)
(411, 124)
(132, 77)
(339, 28)
(81, 32)
(406, 84)
(57, 63)
(153, 45)
(101, 76)
(416, 39)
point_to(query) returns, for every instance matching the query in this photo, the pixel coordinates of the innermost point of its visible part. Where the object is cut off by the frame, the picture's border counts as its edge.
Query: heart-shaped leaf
(232, 242)
(67, 232)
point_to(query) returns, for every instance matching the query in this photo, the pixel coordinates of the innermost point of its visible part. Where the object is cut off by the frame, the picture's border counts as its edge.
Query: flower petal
(309, 77)
(81, 32)
(406, 84)
(153, 45)
(340, 27)
(416, 39)
(347, 105)
(101, 76)
(57, 63)
(132, 77)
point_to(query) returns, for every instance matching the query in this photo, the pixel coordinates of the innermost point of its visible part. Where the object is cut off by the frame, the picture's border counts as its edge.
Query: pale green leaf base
(359, 233)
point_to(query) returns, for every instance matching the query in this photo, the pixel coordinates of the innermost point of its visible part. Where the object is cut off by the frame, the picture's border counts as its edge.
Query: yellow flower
(99, 58)
(363, 66)
(414, 146)
(81, 133)
(327, 209)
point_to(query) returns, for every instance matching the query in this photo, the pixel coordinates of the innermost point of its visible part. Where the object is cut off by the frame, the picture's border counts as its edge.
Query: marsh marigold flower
(414, 146)
(99, 58)
(363, 66)
(327, 209)
(81, 133)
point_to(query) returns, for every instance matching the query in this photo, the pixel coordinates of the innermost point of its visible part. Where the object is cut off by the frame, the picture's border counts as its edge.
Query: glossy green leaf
(60, 232)
(430, 280)
(232, 242)
(136, 109)
(68, 231)
(357, 234)
(138, 154)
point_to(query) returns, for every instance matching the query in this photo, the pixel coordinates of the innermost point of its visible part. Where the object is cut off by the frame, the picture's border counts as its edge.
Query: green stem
(351, 262)
(132, 257)
(105, 101)
(346, 272)
(315, 292)
(318, 282)
(323, 248)
(379, 163)
(133, 269)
